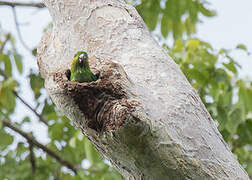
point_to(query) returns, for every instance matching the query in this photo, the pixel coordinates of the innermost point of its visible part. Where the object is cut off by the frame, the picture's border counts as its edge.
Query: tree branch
(15, 4)
(50, 152)
(32, 158)
(41, 118)
(22, 4)
(18, 30)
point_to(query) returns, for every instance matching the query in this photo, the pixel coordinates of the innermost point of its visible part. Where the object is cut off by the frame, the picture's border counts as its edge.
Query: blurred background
(210, 40)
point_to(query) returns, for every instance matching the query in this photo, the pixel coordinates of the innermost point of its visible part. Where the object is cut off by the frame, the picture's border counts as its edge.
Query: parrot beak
(82, 59)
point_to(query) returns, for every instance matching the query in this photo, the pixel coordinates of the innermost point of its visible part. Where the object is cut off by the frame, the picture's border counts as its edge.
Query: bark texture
(141, 114)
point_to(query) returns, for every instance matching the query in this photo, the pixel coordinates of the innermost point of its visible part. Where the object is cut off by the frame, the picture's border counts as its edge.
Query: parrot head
(82, 59)
(80, 70)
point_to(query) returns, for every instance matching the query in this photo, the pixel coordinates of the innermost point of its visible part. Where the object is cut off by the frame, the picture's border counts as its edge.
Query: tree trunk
(141, 114)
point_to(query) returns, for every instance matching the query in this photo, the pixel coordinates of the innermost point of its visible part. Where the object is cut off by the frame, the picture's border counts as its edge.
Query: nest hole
(68, 74)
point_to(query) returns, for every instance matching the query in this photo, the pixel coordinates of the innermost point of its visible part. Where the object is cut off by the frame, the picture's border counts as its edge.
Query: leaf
(197, 75)
(221, 76)
(72, 142)
(34, 52)
(245, 97)
(241, 46)
(207, 46)
(26, 119)
(223, 51)
(91, 154)
(56, 131)
(48, 111)
(226, 135)
(149, 10)
(9, 84)
(205, 11)
(175, 30)
(7, 64)
(5, 140)
(100, 166)
(193, 11)
(110, 176)
(113, 175)
(222, 117)
(193, 43)
(20, 149)
(234, 119)
(7, 98)
(245, 132)
(166, 25)
(178, 45)
(189, 26)
(36, 82)
(18, 61)
(231, 66)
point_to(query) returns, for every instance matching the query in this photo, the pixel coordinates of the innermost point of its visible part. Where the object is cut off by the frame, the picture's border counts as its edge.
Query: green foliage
(7, 98)
(176, 17)
(149, 9)
(214, 74)
(18, 61)
(36, 83)
(6, 140)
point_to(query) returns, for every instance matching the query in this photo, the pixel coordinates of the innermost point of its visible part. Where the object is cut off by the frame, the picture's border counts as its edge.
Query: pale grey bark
(142, 114)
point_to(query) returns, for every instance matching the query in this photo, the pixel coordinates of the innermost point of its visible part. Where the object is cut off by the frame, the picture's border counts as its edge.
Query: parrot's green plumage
(80, 70)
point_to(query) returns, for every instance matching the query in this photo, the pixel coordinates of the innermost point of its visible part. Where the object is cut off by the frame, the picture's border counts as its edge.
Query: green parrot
(80, 70)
